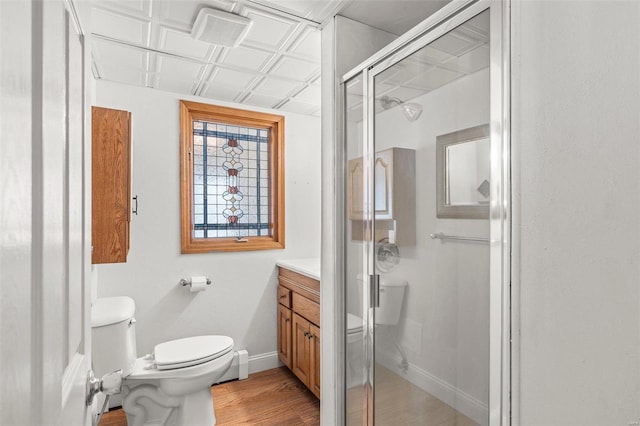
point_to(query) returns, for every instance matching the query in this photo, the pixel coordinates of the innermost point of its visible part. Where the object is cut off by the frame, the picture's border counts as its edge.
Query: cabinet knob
(306, 334)
(309, 336)
(282, 296)
(287, 320)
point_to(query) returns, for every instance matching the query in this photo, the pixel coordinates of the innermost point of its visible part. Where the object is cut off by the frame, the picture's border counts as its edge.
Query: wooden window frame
(190, 111)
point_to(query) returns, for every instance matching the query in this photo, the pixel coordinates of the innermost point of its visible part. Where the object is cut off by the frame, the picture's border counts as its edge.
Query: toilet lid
(190, 351)
(354, 324)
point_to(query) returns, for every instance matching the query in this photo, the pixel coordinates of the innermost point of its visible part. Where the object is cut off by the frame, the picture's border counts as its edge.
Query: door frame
(500, 321)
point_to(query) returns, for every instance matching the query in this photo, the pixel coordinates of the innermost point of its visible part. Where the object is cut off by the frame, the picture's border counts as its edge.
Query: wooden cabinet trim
(284, 335)
(297, 288)
(298, 283)
(311, 284)
(284, 296)
(306, 308)
(314, 364)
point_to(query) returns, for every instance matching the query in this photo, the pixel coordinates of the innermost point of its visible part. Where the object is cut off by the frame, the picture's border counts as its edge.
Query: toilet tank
(391, 297)
(113, 335)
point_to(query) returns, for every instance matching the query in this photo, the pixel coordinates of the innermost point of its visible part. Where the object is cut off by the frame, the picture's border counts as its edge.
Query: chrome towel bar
(443, 237)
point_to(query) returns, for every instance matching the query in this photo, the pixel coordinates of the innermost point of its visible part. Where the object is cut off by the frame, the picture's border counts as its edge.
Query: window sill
(230, 244)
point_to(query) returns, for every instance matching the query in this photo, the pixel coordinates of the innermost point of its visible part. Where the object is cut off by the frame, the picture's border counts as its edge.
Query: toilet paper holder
(184, 282)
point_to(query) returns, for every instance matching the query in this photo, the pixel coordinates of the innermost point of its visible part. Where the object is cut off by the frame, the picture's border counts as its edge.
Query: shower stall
(426, 237)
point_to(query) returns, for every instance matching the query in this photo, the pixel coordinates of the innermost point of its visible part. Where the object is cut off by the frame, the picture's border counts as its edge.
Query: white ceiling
(393, 16)
(462, 51)
(147, 43)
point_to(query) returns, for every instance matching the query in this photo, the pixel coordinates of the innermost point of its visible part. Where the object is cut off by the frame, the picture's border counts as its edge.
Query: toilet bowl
(355, 351)
(388, 313)
(391, 296)
(170, 386)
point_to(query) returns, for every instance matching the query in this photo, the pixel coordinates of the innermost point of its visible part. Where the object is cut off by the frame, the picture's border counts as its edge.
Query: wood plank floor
(271, 397)
(277, 397)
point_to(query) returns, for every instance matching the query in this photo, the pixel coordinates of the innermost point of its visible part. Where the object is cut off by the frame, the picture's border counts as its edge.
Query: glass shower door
(429, 154)
(418, 177)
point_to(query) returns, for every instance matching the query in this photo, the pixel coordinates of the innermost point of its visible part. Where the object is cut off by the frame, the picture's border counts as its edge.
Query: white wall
(576, 142)
(241, 303)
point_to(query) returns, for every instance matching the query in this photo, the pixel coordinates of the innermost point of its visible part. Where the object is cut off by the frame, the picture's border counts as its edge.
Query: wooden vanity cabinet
(111, 184)
(299, 327)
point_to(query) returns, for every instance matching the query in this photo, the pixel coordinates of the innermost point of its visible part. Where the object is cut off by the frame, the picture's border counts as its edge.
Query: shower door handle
(374, 286)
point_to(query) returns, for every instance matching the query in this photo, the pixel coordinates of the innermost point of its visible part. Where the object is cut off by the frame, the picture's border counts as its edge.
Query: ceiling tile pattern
(148, 43)
(460, 52)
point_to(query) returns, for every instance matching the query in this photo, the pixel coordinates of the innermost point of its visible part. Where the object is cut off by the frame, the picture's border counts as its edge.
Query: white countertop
(309, 267)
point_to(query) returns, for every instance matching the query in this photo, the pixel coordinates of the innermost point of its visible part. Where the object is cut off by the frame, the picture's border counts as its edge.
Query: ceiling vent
(220, 28)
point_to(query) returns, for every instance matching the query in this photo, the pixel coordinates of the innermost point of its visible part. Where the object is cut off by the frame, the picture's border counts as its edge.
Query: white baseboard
(263, 362)
(259, 362)
(444, 391)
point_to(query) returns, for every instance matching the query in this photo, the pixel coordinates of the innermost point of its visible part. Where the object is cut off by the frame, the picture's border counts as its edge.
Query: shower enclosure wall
(425, 225)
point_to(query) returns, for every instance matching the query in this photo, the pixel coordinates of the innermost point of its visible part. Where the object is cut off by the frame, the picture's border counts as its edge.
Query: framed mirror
(463, 167)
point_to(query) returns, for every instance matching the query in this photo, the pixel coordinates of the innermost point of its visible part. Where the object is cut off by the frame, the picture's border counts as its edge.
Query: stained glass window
(231, 180)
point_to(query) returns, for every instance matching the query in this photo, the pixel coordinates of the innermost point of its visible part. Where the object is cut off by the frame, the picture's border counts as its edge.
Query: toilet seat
(354, 324)
(190, 351)
(192, 364)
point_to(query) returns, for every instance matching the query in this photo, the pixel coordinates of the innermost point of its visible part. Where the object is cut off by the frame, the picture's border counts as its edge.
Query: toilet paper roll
(198, 284)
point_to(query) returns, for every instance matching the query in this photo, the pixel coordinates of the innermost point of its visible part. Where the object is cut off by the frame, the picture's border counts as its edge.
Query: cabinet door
(383, 172)
(301, 359)
(284, 335)
(383, 184)
(314, 374)
(111, 193)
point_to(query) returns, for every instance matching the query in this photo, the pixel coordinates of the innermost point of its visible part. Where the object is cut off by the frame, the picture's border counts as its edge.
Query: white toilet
(388, 313)
(355, 351)
(169, 387)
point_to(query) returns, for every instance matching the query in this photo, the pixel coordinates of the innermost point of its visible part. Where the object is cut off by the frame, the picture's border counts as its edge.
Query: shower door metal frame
(500, 316)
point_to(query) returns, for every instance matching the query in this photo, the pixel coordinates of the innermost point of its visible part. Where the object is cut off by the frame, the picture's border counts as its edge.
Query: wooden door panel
(110, 133)
(314, 374)
(300, 351)
(284, 335)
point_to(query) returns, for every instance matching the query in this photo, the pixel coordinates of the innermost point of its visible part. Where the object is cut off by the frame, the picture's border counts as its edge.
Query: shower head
(411, 110)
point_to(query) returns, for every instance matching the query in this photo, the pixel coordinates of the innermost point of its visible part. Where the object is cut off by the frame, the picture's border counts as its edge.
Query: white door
(44, 216)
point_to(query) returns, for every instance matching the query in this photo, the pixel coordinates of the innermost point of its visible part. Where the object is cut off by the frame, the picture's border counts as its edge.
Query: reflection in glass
(467, 173)
(429, 360)
(463, 173)
(431, 355)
